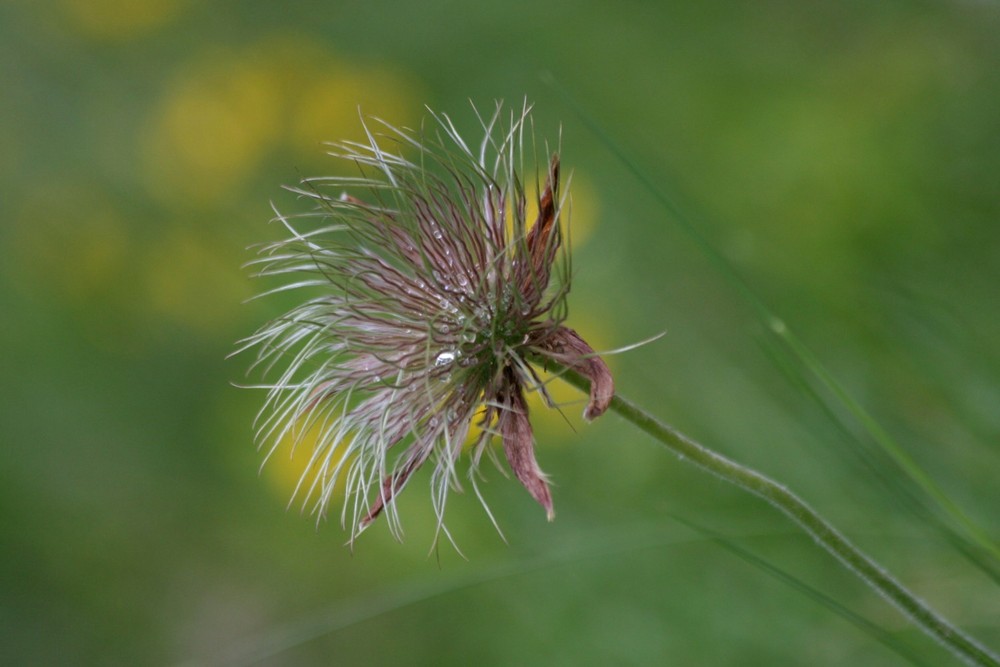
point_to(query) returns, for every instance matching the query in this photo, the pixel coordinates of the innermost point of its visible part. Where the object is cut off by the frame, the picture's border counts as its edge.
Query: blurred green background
(844, 157)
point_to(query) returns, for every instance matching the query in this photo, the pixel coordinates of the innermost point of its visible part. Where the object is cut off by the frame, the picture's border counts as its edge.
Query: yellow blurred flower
(227, 111)
(189, 283)
(328, 106)
(584, 209)
(120, 19)
(581, 211)
(290, 473)
(68, 241)
(212, 131)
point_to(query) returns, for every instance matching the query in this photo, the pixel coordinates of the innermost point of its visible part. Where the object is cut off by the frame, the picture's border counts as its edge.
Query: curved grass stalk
(874, 575)
(878, 633)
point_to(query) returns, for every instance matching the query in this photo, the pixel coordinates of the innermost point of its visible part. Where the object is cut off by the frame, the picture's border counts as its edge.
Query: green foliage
(842, 158)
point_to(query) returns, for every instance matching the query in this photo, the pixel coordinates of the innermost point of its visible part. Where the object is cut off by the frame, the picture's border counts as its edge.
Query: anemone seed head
(432, 291)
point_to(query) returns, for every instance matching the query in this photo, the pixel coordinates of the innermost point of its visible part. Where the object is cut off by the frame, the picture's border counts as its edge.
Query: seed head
(433, 291)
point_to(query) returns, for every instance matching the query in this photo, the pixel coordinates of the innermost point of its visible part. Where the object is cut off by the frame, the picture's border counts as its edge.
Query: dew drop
(444, 358)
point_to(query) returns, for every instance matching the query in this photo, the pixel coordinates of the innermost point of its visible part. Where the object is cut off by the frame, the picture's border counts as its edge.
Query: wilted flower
(434, 295)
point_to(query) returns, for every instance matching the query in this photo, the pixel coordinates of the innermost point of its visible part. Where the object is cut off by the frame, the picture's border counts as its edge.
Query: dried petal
(540, 243)
(565, 346)
(518, 443)
(543, 239)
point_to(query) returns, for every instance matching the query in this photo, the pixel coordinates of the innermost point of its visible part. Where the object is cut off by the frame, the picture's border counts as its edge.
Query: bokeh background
(844, 158)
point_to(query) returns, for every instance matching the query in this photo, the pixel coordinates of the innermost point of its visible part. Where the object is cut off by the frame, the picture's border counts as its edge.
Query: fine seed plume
(429, 291)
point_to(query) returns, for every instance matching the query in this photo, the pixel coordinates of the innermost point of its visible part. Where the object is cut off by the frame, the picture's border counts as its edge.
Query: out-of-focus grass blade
(880, 634)
(346, 614)
(889, 445)
(970, 529)
(900, 489)
(938, 335)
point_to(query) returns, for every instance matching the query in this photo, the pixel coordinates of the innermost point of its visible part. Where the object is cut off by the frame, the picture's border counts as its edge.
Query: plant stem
(931, 622)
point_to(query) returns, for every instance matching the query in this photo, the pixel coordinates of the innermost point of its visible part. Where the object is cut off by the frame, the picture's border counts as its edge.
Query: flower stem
(931, 622)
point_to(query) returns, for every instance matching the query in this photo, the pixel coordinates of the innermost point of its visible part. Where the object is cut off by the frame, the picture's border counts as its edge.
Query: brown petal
(566, 347)
(538, 237)
(540, 243)
(517, 444)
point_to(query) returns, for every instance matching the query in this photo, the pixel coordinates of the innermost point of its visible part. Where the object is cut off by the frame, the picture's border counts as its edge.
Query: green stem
(931, 622)
(973, 532)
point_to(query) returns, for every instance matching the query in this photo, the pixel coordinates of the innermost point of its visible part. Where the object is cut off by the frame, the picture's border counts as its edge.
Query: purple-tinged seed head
(431, 289)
